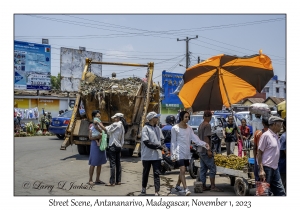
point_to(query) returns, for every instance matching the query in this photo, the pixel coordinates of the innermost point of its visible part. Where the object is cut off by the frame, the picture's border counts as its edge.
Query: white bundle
(259, 108)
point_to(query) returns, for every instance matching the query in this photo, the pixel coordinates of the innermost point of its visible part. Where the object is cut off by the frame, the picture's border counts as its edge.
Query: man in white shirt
(116, 134)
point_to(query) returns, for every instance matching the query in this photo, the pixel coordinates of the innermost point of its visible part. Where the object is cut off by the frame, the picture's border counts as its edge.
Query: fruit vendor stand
(239, 170)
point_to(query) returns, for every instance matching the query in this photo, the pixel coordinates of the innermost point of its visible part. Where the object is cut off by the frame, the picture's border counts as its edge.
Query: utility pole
(187, 49)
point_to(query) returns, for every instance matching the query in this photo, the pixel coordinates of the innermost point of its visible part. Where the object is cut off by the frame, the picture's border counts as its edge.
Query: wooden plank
(232, 172)
(76, 127)
(84, 128)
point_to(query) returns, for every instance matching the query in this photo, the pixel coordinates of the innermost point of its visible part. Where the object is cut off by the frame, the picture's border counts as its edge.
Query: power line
(231, 45)
(228, 53)
(172, 67)
(141, 67)
(152, 33)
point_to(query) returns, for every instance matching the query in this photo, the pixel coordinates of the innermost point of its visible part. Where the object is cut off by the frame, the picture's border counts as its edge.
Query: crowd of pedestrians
(269, 150)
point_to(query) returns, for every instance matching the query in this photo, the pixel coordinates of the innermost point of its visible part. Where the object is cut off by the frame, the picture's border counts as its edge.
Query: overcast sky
(153, 38)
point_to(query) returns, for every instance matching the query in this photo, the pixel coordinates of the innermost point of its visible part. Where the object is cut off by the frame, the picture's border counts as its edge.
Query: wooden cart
(242, 180)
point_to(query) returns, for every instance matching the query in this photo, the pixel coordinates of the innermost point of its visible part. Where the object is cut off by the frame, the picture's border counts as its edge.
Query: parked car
(216, 124)
(238, 116)
(59, 124)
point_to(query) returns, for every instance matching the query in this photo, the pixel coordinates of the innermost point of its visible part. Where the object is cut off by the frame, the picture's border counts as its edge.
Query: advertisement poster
(32, 66)
(22, 103)
(49, 105)
(171, 102)
(72, 62)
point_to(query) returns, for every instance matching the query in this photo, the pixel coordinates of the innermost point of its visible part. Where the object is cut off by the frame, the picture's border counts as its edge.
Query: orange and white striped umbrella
(224, 80)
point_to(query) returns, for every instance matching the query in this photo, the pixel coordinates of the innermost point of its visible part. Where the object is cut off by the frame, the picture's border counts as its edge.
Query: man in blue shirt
(166, 130)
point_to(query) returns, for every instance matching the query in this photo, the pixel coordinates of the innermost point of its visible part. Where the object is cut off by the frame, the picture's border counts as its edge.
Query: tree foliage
(55, 81)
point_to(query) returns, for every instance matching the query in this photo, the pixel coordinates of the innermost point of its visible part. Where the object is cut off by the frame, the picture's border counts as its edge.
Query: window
(266, 90)
(277, 90)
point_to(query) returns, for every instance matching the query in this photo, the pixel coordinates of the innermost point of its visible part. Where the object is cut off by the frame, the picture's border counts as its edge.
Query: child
(96, 129)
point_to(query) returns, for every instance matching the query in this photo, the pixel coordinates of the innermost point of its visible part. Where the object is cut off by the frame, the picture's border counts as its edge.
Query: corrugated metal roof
(256, 100)
(52, 93)
(276, 100)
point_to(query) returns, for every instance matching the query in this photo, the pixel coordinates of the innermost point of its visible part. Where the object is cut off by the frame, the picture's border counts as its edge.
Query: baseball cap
(275, 119)
(117, 115)
(151, 115)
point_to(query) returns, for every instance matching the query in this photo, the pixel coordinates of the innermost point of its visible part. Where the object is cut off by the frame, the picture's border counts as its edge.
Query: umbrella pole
(221, 75)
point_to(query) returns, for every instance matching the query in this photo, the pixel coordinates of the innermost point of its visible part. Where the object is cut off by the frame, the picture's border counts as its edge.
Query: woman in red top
(245, 133)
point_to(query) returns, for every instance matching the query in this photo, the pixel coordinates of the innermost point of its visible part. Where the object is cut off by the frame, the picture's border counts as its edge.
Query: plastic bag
(103, 144)
(262, 188)
(259, 108)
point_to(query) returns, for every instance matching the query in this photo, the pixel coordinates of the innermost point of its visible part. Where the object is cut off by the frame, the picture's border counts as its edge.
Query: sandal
(91, 183)
(99, 182)
(206, 188)
(109, 185)
(216, 190)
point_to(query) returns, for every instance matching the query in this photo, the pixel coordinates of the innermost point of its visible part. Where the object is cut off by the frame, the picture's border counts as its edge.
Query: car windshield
(67, 114)
(196, 120)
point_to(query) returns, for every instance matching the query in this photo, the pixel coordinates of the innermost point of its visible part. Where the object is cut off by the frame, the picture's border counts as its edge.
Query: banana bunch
(231, 161)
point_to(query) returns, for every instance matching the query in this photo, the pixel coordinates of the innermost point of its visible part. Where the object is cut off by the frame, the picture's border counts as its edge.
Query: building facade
(275, 88)
(27, 102)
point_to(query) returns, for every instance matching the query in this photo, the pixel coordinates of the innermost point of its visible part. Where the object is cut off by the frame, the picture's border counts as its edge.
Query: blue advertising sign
(32, 66)
(171, 102)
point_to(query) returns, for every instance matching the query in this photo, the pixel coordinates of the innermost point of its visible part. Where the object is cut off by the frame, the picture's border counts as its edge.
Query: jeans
(156, 172)
(206, 164)
(115, 164)
(273, 178)
(283, 180)
(216, 147)
(256, 171)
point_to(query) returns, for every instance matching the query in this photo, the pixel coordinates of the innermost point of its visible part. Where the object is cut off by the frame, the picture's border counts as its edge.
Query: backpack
(167, 135)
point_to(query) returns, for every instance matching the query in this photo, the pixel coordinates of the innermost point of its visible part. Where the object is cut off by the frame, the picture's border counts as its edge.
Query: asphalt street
(41, 168)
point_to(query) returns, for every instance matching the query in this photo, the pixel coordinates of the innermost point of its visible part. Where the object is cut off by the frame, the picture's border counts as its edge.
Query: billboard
(171, 102)
(32, 66)
(72, 62)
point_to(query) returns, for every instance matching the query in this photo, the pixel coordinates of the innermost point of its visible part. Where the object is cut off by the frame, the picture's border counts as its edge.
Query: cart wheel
(193, 168)
(241, 187)
(232, 180)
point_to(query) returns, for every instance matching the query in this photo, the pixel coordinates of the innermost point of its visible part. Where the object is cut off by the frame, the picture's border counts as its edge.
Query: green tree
(55, 81)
